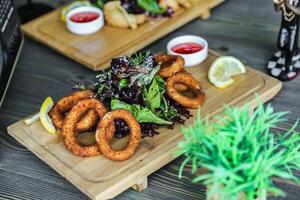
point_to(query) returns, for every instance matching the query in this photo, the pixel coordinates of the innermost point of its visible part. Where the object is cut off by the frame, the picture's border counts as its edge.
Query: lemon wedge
(44, 117)
(68, 8)
(223, 68)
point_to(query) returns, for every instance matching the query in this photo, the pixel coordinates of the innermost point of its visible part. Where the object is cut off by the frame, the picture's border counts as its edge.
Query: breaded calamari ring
(170, 65)
(192, 84)
(69, 132)
(64, 105)
(181, 87)
(134, 140)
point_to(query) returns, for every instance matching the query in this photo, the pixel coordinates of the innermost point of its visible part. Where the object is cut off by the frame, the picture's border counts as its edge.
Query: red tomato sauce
(187, 48)
(84, 17)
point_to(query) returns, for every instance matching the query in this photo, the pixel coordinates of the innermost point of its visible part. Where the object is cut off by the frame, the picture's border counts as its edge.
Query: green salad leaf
(142, 114)
(145, 75)
(123, 83)
(98, 3)
(145, 115)
(151, 6)
(152, 96)
(156, 100)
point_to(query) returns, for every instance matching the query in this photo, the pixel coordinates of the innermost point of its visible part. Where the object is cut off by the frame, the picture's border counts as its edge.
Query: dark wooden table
(246, 29)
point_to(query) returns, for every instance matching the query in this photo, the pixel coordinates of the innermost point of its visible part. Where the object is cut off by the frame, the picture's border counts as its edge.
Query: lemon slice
(44, 117)
(68, 8)
(223, 68)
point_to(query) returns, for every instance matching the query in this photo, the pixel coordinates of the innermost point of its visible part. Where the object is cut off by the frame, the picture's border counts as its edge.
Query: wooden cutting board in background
(100, 178)
(96, 50)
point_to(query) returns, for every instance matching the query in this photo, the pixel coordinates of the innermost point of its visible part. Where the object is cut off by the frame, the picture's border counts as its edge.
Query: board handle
(141, 184)
(206, 14)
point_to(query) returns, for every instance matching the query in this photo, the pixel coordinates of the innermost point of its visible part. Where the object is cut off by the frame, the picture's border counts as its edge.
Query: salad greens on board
(132, 83)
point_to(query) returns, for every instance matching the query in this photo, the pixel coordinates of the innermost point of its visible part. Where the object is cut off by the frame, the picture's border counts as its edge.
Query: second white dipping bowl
(193, 58)
(85, 28)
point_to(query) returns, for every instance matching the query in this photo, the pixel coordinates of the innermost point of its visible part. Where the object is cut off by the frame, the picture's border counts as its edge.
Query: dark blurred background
(30, 9)
(49, 2)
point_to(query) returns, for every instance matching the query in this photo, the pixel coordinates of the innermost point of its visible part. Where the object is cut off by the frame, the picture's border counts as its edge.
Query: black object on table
(285, 64)
(31, 11)
(10, 43)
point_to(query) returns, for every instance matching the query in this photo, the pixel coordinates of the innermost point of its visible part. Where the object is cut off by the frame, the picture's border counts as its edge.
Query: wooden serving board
(95, 51)
(100, 178)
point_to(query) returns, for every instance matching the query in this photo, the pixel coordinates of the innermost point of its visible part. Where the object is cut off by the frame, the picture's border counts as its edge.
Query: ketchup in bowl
(187, 48)
(84, 17)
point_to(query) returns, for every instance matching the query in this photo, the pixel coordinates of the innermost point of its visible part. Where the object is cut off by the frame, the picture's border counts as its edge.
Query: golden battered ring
(135, 135)
(170, 65)
(69, 132)
(181, 87)
(192, 84)
(64, 105)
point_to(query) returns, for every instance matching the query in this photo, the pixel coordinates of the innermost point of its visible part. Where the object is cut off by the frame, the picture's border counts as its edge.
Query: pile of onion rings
(82, 108)
(179, 81)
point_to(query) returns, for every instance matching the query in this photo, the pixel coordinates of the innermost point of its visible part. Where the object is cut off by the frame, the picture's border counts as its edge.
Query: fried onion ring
(69, 132)
(135, 135)
(181, 87)
(170, 65)
(57, 113)
(192, 84)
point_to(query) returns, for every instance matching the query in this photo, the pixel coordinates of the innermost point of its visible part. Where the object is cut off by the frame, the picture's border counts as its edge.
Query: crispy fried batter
(181, 87)
(116, 15)
(57, 113)
(69, 132)
(192, 84)
(169, 4)
(170, 65)
(135, 135)
(185, 3)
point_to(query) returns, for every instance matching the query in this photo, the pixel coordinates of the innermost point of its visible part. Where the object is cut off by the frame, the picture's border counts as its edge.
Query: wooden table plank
(246, 29)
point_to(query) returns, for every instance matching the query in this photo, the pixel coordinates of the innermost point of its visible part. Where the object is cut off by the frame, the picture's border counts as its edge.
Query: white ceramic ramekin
(86, 27)
(193, 58)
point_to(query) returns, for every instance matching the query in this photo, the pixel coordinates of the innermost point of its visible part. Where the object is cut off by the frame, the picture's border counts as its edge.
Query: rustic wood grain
(246, 29)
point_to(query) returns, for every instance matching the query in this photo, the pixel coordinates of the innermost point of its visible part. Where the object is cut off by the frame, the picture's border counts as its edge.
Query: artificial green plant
(240, 153)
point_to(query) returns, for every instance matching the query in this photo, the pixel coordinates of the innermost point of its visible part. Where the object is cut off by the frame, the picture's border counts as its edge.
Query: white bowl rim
(83, 9)
(182, 39)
